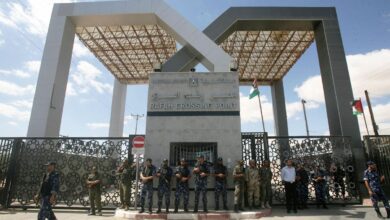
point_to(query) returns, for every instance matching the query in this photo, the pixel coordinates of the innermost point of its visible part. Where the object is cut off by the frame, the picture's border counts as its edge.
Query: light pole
(137, 117)
(304, 112)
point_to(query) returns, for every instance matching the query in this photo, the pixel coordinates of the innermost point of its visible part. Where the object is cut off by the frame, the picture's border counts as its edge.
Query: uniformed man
(201, 171)
(239, 180)
(220, 173)
(164, 174)
(252, 179)
(337, 173)
(265, 184)
(182, 174)
(302, 179)
(147, 175)
(94, 185)
(372, 180)
(319, 186)
(47, 194)
(125, 174)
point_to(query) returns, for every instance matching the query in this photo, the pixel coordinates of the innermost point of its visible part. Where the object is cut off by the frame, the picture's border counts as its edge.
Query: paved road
(334, 213)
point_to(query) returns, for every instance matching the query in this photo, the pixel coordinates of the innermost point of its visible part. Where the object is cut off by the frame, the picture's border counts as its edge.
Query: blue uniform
(50, 185)
(319, 186)
(164, 185)
(182, 186)
(148, 186)
(373, 179)
(201, 184)
(302, 187)
(220, 185)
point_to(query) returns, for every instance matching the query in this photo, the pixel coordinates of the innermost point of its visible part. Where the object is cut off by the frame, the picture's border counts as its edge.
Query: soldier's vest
(93, 177)
(148, 171)
(184, 172)
(220, 169)
(165, 176)
(202, 169)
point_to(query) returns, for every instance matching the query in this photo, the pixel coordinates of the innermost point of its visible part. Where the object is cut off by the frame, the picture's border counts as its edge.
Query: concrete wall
(168, 123)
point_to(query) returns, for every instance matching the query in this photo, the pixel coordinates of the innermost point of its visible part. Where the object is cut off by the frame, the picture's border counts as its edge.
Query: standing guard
(182, 176)
(94, 188)
(164, 174)
(302, 186)
(47, 194)
(125, 174)
(220, 173)
(319, 186)
(239, 180)
(265, 184)
(252, 178)
(201, 172)
(147, 175)
(372, 181)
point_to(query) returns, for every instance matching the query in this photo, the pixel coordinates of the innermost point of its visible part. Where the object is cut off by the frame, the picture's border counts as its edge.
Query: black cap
(50, 163)
(370, 162)
(220, 159)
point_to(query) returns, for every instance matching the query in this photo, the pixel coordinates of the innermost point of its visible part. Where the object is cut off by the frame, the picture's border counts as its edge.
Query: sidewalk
(334, 213)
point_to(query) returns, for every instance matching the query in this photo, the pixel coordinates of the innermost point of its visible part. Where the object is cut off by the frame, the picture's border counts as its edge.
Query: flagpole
(365, 121)
(261, 112)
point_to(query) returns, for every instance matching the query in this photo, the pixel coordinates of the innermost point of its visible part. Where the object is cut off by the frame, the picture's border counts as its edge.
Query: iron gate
(75, 157)
(378, 150)
(332, 153)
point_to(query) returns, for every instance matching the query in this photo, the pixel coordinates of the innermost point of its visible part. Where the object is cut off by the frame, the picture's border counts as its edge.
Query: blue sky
(365, 28)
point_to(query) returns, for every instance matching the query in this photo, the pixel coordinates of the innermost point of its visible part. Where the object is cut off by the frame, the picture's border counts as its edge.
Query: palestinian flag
(254, 90)
(357, 107)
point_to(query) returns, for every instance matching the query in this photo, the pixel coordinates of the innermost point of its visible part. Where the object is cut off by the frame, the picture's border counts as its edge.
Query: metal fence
(378, 150)
(22, 162)
(332, 153)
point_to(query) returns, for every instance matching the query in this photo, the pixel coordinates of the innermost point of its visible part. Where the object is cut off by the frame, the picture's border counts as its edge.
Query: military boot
(236, 208)
(225, 207)
(185, 208)
(216, 206)
(240, 208)
(159, 209)
(142, 210)
(378, 213)
(167, 210)
(388, 213)
(150, 211)
(176, 209)
(205, 208)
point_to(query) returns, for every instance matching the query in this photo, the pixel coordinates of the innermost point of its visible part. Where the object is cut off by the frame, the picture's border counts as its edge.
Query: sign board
(138, 143)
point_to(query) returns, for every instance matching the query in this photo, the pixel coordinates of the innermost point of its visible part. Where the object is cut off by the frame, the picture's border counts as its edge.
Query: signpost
(138, 143)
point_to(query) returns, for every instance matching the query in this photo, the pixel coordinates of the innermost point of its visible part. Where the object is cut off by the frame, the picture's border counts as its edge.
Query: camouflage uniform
(220, 185)
(126, 174)
(164, 186)
(319, 187)
(302, 187)
(252, 178)
(182, 187)
(238, 186)
(147, 187)
(49, 186)
(373, 179)
(95, 193)
(201, 185)
(265, 184)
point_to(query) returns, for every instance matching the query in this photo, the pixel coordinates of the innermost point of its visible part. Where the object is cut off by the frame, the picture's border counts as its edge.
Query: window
(190, 151)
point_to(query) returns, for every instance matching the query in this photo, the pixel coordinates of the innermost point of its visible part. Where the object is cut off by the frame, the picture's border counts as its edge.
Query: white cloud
(2, 41)
(32, 16)
(17, 73)
(86, 78)
(26, 104)
(33, 65)
(13, 112)
(12, 89)
(70, 91)
(29, 68)
(368, 71)
(79, 49)
(13, 123)
(250, 110)
(97, 125)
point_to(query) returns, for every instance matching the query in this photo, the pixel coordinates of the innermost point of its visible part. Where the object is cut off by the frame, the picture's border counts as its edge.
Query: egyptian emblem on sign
(193, 82)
